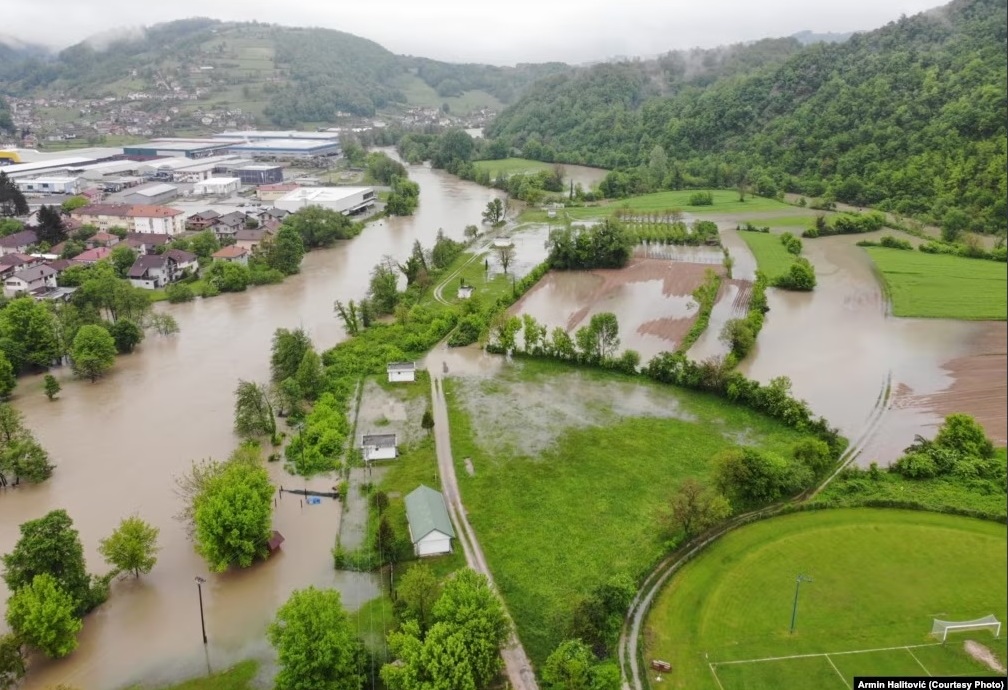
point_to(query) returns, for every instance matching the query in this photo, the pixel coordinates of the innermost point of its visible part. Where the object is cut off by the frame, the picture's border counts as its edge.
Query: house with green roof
(429, 525)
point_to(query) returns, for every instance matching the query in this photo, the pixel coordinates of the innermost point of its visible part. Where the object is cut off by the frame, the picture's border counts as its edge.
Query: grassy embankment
(238, 677)
(879, 577)
(561, 520)
(771, 256)
(942, 286)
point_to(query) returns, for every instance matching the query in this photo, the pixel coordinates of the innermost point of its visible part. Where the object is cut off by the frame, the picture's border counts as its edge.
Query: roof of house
(117, 210)
(154, 238)
(19, 239)
(230, 252)
(276, 212)
(96, 254)
(205, 215)
(275, 540)
(180, 255)
(233, 218)
(143, 211)
(426, 512)
(59, 265)
(253, 235)
(379, 440)
(30, 275)
(15, 259)
(145, 263)
(401, 366)
(103, 236)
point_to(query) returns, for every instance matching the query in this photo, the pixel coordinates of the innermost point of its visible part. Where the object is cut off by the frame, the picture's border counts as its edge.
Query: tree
(505, 255)
(657, 166)
(285, 251)
(317, 647)
(50, 226)
(43, 615)
(494, 213)
(348, 313)
(227, 276)
(126, 335)
(204, 244)
(74, 202)
(131, 547)
(93, 352)
(599, 340)
(738, 335)
(954, 223)
(287, 352)
(427, 421)
(123, 258)
(471, 232)
(569, 667)
(694, 509)
(468, 605)
(254, 410)
(28, 334)
(8, 381)
(310, 375)
(50, 545)
(962, 433)
(383, 291)
(12, 201)
(416, 593)
(25, 459)
(749, 477)
(320, 227)
(232, 516)
(12, 661)
(164, 324)
(51, 386)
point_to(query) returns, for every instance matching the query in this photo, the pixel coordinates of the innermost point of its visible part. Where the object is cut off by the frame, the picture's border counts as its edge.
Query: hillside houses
(163, 220)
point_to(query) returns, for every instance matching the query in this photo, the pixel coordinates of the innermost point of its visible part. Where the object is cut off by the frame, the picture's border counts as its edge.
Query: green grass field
(476, 275)
(771, 256)
(879, 578)
(238, 677)
(725, 202)
(556, 523)
(420, 93)
(943, 286)
(510, 166)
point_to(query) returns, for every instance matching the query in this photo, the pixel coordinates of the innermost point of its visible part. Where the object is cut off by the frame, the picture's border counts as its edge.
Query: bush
(801, 276)
(179, 292)
(895, 243)
(467, 332)
(701, 199)
(791, 243)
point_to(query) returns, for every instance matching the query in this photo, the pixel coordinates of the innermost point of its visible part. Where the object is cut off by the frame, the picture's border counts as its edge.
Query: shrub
(801, 276)
(701, 199)
(791, 243)
(179, 292)
(895, 243)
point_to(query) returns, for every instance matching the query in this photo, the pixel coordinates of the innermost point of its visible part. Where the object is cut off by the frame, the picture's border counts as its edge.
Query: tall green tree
(254, 414)
(8, 381)
(51, 228)
(42, 615)
(494, 213)
(320, 227)
(287, 352)
(12, 661)
(132, 547)
(285, 251)
(416, 592)
(383, 290)
(316, 645)
(28, 334)
(93, 352)
(126, 335)
(232, 515)
(12, 201)
(122, 257)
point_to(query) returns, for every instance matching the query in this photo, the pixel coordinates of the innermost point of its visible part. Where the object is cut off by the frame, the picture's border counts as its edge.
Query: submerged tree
(132, 547)
(253, 414)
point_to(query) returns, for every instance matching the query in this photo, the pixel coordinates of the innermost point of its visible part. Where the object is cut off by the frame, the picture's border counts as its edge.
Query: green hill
(909, 117)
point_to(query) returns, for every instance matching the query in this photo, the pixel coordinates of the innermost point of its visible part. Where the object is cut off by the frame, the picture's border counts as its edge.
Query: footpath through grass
(771, 256)
(943, 286)
(569, 469)
(879, 578)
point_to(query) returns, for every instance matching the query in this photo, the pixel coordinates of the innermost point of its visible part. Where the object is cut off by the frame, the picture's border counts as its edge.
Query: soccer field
(876, 581)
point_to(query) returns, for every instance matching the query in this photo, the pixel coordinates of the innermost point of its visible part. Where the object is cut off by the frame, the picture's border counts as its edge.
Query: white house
(160, 220)
(217, 186)
(149, 271)
(429, 525)
(29, 280)
(400, 372)
(379, 447)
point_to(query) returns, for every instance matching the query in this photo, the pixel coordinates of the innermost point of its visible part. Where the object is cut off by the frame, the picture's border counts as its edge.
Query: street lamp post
(794, 609)
(199, 587)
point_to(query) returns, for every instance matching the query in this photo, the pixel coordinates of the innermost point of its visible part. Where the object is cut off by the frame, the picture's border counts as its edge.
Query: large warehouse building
(175, 146)
(346, 200)
(287, 148)
(250, 135)
(259, 173)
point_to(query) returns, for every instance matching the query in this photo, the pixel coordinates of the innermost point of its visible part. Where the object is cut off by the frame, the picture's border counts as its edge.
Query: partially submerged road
(516, 661)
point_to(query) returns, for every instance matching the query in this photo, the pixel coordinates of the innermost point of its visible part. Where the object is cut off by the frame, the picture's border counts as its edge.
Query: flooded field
(119, 443)
(652, 299)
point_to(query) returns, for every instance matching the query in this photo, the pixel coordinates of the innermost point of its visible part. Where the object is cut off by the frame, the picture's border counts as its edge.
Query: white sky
(480, 31)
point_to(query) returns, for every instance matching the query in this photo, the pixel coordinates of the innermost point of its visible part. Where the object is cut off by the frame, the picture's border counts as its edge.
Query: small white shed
(429, 525)
(465, 291)
(379, 447)
(400, 372)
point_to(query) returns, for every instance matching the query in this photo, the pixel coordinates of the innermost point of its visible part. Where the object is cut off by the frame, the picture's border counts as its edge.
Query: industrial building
(52, 166)
(48, 185)
(346, 200)
(287, 148)
(178, 147)
(250, 135)
(217, 186)
(259, 173)
(151, 195)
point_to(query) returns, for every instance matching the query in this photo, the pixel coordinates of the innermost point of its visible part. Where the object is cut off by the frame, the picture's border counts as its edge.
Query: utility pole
(794, 609)
(199, 586)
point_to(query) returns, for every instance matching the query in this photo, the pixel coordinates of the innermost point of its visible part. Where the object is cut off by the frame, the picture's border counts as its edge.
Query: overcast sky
(478, 31)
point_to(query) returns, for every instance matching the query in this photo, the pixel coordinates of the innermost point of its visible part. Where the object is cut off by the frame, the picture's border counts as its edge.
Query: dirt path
(516, 661)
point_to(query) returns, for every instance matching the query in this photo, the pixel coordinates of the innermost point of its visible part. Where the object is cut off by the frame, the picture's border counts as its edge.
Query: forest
(908, 118)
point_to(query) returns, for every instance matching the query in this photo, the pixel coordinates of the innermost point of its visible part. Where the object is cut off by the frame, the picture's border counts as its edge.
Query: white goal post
(940, 628)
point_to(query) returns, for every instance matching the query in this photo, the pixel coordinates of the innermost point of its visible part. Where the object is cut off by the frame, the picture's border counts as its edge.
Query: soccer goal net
(941, 629)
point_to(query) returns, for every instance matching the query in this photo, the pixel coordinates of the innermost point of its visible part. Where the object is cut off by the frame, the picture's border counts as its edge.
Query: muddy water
(119, 443)
(841, 351)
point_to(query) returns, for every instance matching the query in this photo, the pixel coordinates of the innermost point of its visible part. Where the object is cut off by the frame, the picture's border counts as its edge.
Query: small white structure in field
(465, 291)
(502, 242)
(379, 447)
(429, 525)
(401, 372)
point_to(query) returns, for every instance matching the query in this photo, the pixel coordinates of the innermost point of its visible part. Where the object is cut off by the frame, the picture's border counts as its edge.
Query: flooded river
(119, 443)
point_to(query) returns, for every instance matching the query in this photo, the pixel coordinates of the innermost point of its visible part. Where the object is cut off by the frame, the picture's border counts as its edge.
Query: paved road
(516, 661)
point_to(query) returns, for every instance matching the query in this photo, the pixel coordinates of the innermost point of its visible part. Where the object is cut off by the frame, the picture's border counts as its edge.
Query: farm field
(943, 286)
(725, 203)
(878, 579)
(771, 256)
(420, 93)
(510, 166)
(570, 500)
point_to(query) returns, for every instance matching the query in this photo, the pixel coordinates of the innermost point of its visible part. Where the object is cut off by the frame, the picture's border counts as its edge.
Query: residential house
(102, 239)
(379, 447)
(145, 242)
(202, 220)
(272, 214)
(251, 239)
(92, 256)
(149, 271)
(104, 216)
(180, 262)
(161, 220)
(29, 280)
(12, 263)
(400, 372)
(430, 526)
(232, 253)
(229, 224)
(18, 242)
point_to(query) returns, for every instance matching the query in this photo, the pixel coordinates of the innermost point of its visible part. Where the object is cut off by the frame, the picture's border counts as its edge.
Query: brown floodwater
(119, 443)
